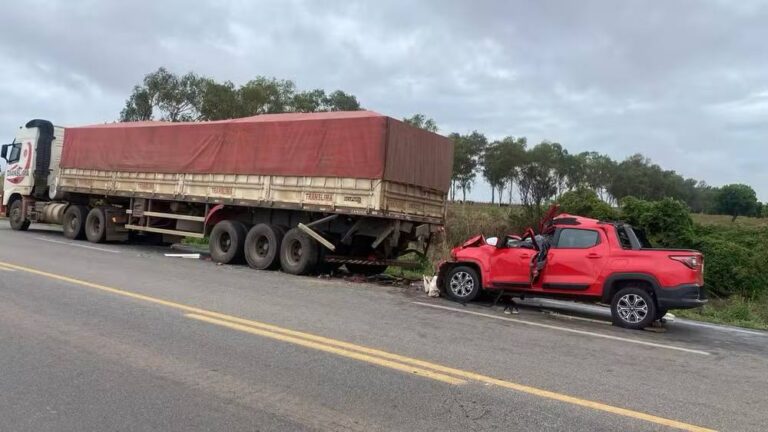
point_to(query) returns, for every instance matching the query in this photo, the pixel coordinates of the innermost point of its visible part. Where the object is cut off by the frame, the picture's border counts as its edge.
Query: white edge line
(77, 245)
(581, 332)
(678, 319)
(719, 327)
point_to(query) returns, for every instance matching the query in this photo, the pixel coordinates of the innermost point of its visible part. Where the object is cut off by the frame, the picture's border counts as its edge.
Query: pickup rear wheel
(227, 241)
(16, 215)
(74, 222)
(633, 308)
(262, 246)
(299, 252)
(462, 283)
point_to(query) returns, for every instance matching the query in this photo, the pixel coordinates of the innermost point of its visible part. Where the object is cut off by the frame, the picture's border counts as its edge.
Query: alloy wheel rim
(632, 308)
(462, 284)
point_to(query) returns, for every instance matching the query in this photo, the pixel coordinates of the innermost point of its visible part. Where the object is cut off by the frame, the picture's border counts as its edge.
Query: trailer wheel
(227, 241)
(299, 252)
(74, 222)
(262, 246)
(96, 225)
(15, 214)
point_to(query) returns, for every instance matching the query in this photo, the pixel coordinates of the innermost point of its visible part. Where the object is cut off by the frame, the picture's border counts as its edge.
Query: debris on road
(183, 255)
(430, 286)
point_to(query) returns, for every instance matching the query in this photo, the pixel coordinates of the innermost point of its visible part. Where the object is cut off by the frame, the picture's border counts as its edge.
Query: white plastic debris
(430, 286)
(187, 255)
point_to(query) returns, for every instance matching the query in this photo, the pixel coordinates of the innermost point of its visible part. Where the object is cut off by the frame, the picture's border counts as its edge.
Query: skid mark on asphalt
(565, 329)
(363, 353)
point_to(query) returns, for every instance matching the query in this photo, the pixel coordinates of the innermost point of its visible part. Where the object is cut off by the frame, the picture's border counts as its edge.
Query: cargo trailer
(298, 191)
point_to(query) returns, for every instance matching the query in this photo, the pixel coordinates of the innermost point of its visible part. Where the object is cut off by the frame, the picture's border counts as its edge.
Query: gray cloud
(684, 82)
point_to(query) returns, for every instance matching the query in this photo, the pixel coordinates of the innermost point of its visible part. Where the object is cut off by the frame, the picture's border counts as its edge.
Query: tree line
(536, 174)
(163, 95)
(543, 172)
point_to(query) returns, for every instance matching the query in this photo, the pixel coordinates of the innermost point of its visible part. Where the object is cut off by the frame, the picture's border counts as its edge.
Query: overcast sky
(683, 82)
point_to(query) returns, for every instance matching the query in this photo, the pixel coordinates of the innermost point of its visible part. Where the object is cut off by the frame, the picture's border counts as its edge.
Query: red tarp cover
(335, 144)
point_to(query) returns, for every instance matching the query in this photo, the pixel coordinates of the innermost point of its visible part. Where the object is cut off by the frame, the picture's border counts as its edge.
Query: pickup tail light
(690, 261)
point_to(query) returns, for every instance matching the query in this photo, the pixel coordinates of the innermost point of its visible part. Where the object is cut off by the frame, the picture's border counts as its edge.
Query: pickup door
(574, 262)
(510, 267)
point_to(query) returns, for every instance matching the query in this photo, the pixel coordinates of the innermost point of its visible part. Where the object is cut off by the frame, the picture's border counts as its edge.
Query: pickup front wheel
(462, 283)
(633, 308)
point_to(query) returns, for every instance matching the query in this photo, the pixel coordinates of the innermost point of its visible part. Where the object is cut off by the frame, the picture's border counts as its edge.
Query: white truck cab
(32, 161)
(32, 168)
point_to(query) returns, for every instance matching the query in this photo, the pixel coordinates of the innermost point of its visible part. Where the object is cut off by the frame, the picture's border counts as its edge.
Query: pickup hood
(475, 241)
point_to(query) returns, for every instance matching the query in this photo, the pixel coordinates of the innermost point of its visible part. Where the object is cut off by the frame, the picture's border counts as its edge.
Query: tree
(736, 200)
(176, 98)
(466, 157)
(221, 101)
(340, 101)
(500, 164)
(422, 122)
(585, 202)
(599, 170)
(538, 178)
(192, 98)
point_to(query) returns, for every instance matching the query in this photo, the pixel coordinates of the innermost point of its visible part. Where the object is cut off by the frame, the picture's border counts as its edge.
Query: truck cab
(32, 163)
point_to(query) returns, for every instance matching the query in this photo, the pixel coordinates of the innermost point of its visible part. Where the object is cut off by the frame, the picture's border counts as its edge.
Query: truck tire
(96, 225)
(462, 284)
(74, 222)
(227, 242)
(262, 246)
(366, 270)
(16, 216)
(633, 308)
(299, 253)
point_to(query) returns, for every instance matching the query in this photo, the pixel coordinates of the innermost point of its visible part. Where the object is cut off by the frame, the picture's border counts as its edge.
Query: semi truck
(297, 191)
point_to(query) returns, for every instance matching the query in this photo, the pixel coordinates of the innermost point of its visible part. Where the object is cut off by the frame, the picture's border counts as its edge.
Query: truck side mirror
(4, 152)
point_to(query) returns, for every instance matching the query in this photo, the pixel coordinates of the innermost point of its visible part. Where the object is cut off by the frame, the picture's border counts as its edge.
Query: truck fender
(214, 216)
(613, 278)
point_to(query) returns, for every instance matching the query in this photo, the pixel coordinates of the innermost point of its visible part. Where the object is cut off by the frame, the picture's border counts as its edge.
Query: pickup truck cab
(582, 259)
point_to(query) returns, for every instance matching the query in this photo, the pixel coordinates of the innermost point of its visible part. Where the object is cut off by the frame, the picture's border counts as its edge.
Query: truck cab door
(574, 261)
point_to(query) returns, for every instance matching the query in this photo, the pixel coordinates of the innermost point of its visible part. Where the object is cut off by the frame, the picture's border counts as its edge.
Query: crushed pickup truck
(583, 259)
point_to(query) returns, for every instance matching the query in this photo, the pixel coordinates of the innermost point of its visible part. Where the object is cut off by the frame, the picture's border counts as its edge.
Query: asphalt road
(120, 337)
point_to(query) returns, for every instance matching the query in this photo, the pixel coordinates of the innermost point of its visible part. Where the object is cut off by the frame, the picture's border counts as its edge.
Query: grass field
(724, 220)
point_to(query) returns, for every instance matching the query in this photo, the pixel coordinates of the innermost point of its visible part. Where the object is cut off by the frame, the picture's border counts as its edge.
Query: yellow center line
(329, 349)
(366, 354)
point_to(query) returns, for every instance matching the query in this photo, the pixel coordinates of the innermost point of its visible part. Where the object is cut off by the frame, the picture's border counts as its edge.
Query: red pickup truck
(583, 259)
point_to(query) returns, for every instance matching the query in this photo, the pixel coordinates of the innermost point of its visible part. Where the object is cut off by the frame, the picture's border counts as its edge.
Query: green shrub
(585, 202)
(667, 222)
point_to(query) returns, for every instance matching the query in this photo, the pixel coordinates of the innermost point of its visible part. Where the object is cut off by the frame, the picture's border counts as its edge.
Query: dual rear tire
(267, 246)
(262, 246)
(73, 223)
(227, 242)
